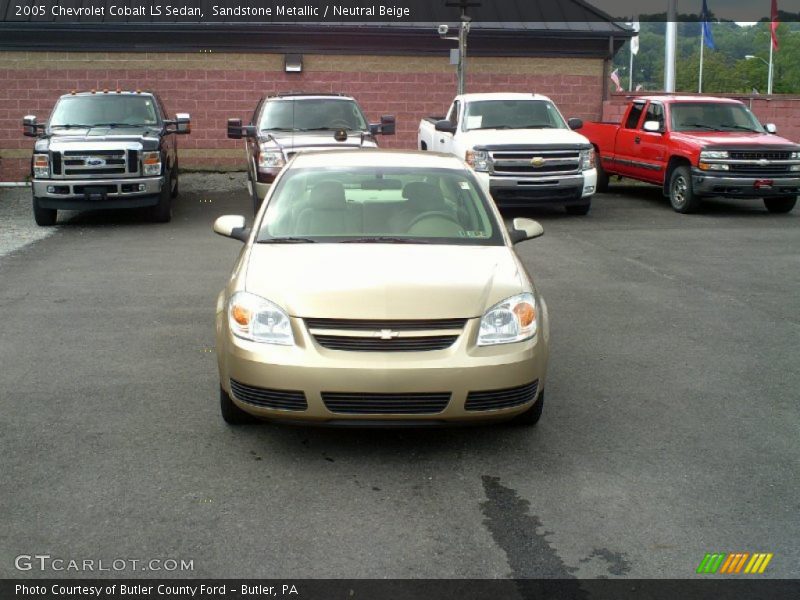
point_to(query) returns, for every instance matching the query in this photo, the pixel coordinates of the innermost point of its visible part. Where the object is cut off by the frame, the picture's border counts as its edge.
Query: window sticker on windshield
(463, 185)
(477, 234)
(474, 121)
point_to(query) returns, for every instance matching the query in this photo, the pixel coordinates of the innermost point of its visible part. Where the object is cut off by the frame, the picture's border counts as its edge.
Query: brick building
(220, 70)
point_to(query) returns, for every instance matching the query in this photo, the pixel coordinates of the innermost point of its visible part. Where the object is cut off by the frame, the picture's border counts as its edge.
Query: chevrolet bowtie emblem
(387, 334)
(537, 161)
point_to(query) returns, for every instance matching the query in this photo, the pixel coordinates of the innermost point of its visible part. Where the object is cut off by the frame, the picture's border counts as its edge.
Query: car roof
(107, 92)
(377, 158)
(308, 96)
(675, 99)
(504, 96)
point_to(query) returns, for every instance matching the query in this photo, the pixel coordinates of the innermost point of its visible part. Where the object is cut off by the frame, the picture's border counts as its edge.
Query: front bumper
(527, 191)
(81, 194)
(313, 370)
(726, 185)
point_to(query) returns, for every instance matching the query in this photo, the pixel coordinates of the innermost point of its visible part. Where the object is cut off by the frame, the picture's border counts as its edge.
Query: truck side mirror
(652, 126)
(235, 129)
(388, 123)
(771, 128)
(575, 123)
(30, 127)
(445, 126)
(183, 123)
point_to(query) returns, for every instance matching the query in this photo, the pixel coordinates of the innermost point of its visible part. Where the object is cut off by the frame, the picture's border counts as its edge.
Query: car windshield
(311, 114)
(713, 116)
(105, 109)
(513, 114)
(368, 204)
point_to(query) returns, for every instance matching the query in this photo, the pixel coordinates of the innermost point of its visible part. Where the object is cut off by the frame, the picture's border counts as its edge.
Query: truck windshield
(370, 204)
(713, 116)
(311, 114)
(513, 114)
(106, 109)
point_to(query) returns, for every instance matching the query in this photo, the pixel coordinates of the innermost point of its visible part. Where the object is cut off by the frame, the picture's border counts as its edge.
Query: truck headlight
(713, 154)
(478, 160)
(587, 159)
(512, 320)
(256, 319)
(41, 166)
(703, 166)
(151, 163)
(270, 159)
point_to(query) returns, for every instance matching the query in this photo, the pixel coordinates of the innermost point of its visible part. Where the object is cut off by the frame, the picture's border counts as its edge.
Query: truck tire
(162, 212)
(602, 176)
(681, 195)
(780, 204)
(531, 416)
(44, 217)
(578, 209)
(232, 414)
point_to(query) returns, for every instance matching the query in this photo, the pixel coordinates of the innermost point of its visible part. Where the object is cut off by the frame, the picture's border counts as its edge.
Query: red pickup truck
(696, 146)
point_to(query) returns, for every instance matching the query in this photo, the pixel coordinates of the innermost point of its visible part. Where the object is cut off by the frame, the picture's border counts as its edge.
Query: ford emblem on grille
(95, 162)
(538, 161)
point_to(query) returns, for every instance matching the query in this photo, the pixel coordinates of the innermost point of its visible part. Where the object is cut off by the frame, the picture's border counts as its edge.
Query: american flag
(615, 78)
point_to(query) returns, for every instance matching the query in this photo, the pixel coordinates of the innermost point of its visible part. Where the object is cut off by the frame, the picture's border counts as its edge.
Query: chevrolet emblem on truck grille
(538, 161)
(387, 334)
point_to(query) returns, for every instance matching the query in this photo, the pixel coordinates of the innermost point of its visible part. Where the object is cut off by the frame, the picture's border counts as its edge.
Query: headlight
(256, 319)
(713, 167)
(478, 159)
(713, 154)
(512, 320)
(795, 155)
(587, 159)
(270, 159)
(151, 163)
(41, 166)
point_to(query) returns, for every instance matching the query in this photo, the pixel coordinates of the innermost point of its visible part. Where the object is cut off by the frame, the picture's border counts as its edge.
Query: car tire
(681, 194)
(578, 209)
(44, 217)
(232, 414)
(780, 204)
(602, 176)
(162, 211)
(531, 416)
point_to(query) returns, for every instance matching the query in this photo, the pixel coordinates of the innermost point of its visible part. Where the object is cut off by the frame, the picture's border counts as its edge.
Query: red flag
(774, 24)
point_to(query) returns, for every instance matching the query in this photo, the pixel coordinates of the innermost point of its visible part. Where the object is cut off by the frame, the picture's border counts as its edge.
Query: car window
(453, 114)
(633, 116)
(655, 112)
(105, 109)
(311, 114)
(713, 116)
(513, 114)
(421, 205)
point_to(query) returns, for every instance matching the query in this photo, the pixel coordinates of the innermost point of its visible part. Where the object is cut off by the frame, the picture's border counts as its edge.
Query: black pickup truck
(104, 149)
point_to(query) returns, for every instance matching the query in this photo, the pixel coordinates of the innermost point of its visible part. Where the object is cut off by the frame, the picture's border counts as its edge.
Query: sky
(745, 11)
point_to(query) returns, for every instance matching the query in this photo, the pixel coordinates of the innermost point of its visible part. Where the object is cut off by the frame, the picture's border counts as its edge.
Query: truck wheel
(578, 209)
(602, 176)
(781, 204)
(531, 416)
(681, 194)
(44, 217)
(162, 212)
(232, 414)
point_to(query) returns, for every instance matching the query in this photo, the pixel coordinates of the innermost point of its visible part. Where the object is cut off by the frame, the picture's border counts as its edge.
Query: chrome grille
(98, 163)
(514, 163)
(403, 404)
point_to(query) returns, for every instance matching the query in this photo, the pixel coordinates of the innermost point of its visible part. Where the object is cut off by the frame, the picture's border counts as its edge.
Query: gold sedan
(380, 288)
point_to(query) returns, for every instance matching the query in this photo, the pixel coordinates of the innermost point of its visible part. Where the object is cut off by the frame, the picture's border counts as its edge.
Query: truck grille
(402, 404)
(377, 335)
(530, 163)
(98, 163)
(759, 154)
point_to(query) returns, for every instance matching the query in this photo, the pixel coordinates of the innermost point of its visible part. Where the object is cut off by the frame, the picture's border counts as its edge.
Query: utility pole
(671, 42)
(463, 32)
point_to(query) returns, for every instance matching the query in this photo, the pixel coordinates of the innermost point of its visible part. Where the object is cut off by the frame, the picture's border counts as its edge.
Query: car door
(443, 141)
(651, 161)
(626, 146)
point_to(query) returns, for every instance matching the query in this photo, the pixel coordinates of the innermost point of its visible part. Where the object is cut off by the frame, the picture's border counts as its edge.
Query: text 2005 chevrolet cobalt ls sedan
(380, 287)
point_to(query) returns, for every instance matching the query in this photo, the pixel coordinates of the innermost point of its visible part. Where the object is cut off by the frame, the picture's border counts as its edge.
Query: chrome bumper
(72, 189)
(551, 189)
(745, 187)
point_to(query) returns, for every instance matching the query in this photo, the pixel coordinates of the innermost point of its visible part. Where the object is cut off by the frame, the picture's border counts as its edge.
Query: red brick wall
(215, 88)
(782, 110)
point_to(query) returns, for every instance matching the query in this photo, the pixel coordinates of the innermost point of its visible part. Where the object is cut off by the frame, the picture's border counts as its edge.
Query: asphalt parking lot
(671, 426)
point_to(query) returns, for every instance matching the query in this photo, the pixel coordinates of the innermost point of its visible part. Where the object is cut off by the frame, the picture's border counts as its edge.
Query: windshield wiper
(278, 129)
(381, 239)
(287, 240)
(71, 125)
(701, 126)
(495, 127)
(326, 129)
(742, 128)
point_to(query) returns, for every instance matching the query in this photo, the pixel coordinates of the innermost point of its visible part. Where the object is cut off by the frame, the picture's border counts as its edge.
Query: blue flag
(707, 37)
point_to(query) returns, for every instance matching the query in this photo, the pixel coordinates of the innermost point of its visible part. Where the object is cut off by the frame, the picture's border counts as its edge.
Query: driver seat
(421, 197)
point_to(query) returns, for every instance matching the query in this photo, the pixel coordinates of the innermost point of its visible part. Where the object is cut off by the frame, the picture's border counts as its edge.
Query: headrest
(327, 194)
(423, 195)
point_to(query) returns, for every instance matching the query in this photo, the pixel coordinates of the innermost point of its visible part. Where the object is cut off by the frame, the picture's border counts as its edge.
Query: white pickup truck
(521, 148)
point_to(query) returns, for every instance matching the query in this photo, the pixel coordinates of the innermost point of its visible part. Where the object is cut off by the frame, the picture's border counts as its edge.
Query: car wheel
(578, 209)
(602, 176)
(232, 414)
(162, 212)
(44, 217)
(781, 204)
(531, 416)
(681, 194)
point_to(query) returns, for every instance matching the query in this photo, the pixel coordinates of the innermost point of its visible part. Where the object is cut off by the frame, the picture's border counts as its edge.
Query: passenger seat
(327, 212)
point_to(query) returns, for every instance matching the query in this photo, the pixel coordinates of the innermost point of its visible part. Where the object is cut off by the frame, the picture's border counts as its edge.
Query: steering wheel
(435, 214)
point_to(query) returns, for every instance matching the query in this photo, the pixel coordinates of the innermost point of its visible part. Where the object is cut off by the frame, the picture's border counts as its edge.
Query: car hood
(147, 136)
(517, 137)
(384, 281)
(705, 139)
(319, 140)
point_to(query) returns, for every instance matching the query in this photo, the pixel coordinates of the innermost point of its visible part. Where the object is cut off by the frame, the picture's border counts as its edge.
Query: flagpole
(702, 43)
(630, 71)
(769, 79)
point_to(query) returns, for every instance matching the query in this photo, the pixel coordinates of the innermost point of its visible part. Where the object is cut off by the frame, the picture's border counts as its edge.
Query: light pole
(463, 32)
(769, 71)
(669, 48)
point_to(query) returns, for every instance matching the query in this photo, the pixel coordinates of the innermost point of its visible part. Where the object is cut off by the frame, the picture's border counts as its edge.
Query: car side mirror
(30, 127)
(232, 226)
(525, 229)
(771, 128)
(388, 123)
(575, 123)
(445, 126)
(183, 123)
(652, 126)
